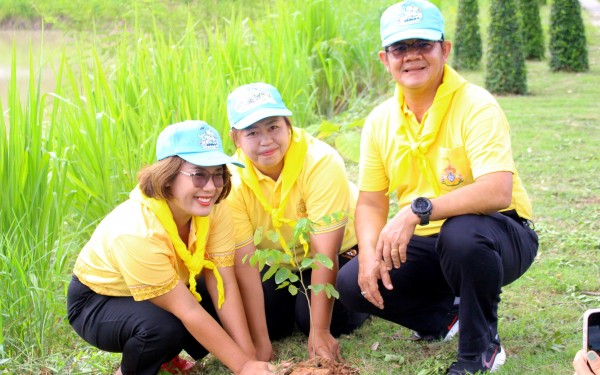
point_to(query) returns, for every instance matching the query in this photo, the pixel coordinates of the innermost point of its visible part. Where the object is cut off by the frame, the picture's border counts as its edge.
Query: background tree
(467, 43)
(505, 73)
(568, 47)
(531, 29)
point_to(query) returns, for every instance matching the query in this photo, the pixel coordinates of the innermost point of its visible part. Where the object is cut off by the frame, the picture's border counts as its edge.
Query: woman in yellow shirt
(138, 282)
(289, 175)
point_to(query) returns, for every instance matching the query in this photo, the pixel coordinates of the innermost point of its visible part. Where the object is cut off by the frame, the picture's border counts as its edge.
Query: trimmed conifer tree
(531, 29)
(568, 46)
(467, 51)
(505, 73)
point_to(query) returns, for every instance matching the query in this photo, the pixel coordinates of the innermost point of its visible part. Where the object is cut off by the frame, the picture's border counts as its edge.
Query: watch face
(422, 205)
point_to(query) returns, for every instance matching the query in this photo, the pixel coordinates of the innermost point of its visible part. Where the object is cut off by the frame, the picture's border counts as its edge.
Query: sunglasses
(200, 179)
(399, 50)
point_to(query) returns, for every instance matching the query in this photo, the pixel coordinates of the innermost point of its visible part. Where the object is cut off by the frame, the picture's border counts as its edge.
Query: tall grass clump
(34, 202)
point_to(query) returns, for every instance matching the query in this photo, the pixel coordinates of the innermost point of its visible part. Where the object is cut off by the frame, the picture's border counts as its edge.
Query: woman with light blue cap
(147, 282)
(289, 175)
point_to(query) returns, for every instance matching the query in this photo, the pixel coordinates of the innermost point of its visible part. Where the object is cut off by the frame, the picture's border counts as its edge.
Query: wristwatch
(422, 208)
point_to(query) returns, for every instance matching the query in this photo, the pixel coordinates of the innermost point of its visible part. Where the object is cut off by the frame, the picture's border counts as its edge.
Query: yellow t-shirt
(322, 189)
(473, 140)
(131, 254)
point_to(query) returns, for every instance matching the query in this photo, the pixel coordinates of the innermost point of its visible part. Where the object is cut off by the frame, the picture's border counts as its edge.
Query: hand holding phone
(591, 330)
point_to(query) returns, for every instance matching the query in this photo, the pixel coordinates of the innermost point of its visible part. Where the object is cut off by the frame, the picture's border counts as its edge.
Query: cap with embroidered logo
(195, 142)
(253, 102)
(411, 19)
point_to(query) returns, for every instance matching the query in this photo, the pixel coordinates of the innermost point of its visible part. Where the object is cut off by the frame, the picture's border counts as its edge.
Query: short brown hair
(155, 179)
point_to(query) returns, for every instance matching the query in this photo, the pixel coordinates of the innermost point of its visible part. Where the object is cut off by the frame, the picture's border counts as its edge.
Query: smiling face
(418, 71)
(187, 200)
(265, 143)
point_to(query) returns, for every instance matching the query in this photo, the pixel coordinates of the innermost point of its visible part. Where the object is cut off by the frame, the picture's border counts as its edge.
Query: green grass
(68, 157)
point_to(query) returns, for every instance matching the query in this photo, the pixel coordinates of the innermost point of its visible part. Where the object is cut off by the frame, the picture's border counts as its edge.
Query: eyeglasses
(200, 179)
(399, 50)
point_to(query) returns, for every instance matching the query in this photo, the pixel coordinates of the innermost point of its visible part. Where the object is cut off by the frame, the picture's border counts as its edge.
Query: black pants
(283, 310)
(147, 335)
(472, 257)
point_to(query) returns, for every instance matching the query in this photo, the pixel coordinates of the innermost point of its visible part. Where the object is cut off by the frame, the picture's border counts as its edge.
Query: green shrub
(505, 62)
(531, 29)
(467, 43)
(568, 48)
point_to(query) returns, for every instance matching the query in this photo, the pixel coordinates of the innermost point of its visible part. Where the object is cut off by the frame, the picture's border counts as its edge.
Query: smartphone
(591, 330)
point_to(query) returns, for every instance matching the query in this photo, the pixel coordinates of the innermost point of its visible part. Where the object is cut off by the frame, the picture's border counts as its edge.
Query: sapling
(284, 265)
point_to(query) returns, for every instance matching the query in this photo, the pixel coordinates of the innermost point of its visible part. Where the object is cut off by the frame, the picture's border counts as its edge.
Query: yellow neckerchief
(194, 262)
(417, 146)
(292, 166)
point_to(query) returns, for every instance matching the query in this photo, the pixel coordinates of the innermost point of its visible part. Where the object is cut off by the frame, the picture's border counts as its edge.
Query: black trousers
(283, 309)
(147, 335)
(472, 257)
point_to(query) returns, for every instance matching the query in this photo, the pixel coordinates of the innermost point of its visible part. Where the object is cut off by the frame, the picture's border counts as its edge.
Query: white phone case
(586, 319)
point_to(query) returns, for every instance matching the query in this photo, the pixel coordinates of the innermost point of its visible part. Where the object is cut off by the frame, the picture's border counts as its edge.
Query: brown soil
(320, 366)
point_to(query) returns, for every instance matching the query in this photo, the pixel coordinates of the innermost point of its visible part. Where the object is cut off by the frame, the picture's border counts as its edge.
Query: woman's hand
(586, 363)
(322, 343)
(264, 350)
(257, 368)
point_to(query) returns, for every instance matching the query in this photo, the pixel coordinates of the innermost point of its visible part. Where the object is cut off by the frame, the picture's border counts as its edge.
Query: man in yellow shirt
(462, 228)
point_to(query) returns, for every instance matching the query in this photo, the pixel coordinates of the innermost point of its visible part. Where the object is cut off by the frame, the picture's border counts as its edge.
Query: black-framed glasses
(400, 49)
(200, 179)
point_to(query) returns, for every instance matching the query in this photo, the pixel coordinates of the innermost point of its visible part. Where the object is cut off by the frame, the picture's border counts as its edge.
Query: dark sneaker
(448, 331)
(488, 361)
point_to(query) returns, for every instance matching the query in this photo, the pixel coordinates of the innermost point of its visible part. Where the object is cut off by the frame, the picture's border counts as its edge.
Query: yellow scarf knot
(418, 147)
(292, 167)
(194, 262)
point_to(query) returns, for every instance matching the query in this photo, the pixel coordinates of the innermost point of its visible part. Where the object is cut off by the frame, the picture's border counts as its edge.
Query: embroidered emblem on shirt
(254, 98)
(208, 140)
(301, 209)
(410, 14)
(450, 177)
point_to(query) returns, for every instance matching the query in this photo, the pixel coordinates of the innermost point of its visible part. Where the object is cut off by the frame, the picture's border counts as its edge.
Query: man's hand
(370, 270)
(395, 236)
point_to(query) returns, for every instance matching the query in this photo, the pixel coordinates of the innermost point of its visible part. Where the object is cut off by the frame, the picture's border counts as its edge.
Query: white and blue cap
(411, 19)
(250, 103)
(195, 142)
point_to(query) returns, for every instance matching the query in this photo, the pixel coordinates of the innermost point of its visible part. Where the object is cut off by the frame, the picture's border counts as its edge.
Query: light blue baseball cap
(253, 102)
(195, 142)
(411, 19)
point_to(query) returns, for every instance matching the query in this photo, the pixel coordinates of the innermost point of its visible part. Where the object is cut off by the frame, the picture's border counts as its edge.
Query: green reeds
(70, 156)
(34, 202)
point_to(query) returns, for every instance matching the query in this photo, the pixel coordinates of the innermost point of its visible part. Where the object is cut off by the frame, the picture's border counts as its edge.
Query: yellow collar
(292, 167)
(417, 146)
(194, 262)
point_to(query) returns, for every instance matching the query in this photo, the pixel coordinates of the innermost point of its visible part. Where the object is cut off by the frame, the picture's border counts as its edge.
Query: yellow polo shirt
(131, 254)
(473, 140)
(322, 189)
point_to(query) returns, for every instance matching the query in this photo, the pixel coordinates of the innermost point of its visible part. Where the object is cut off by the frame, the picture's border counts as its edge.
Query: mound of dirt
(320, 366)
